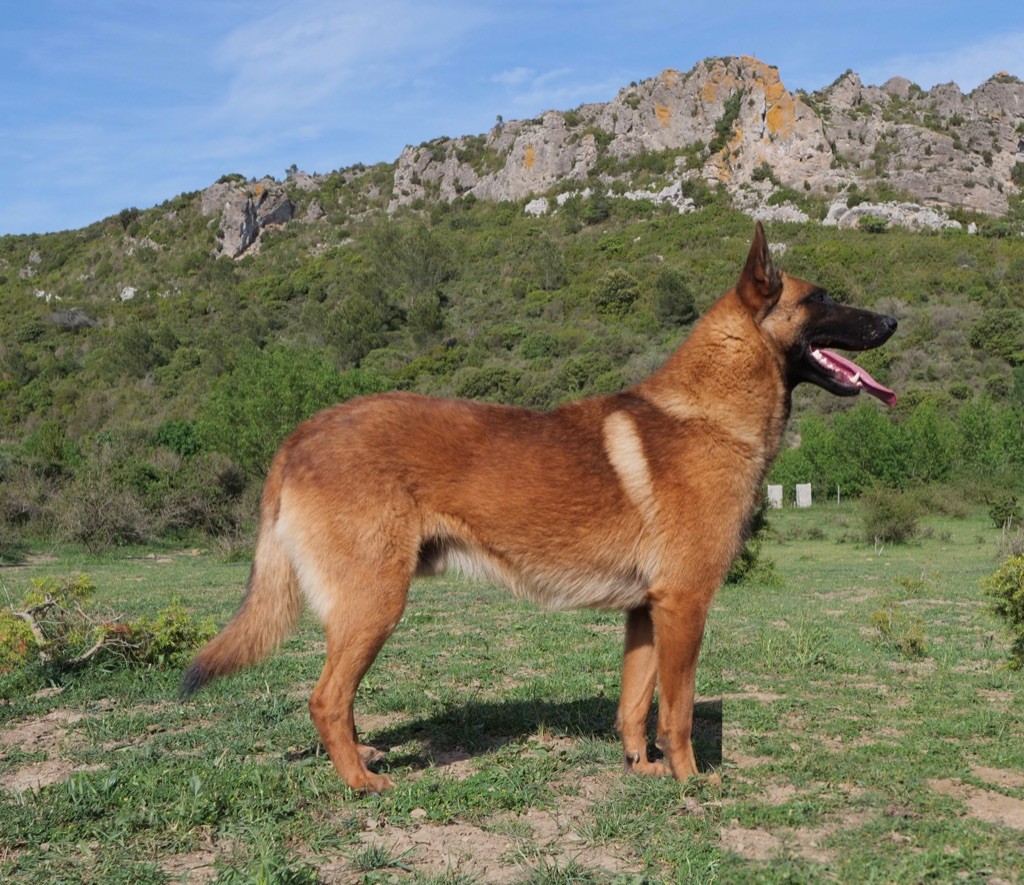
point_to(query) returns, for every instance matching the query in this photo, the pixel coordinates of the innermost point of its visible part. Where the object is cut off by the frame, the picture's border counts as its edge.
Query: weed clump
(900, 630)
(1006, 591)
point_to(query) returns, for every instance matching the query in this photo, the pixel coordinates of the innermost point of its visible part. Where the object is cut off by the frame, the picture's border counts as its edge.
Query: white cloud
(561, 88)
(967, 66)
(318, 54)
(513, 77)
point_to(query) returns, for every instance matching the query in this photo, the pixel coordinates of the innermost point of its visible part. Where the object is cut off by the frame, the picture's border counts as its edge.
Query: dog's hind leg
(369, 604)
(639, 674)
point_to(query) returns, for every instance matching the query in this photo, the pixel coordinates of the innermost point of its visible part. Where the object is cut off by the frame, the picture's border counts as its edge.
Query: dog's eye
(819, 295)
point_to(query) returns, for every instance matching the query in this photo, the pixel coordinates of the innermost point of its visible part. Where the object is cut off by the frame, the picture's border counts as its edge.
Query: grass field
(855, 722)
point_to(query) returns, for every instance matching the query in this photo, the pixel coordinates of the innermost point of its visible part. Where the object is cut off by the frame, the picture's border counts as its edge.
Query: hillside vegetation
(144, 382)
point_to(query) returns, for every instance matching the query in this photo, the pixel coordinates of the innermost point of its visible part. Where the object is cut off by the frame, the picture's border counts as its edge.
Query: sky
(107, 104)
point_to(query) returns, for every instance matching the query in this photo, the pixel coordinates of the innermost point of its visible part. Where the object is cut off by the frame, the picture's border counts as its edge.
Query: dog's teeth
(856, 378)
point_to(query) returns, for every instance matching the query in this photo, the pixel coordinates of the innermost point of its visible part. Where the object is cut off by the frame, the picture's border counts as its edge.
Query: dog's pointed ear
(760, 284)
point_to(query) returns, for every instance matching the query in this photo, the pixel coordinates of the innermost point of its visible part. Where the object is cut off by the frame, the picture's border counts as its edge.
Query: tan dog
(638, 502)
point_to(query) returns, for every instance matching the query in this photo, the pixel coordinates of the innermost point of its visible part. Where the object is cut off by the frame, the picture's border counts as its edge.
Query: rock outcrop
(729, 123)
(734, 122)
(246, 209)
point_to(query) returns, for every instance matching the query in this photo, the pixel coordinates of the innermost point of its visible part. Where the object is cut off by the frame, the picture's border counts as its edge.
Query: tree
(673, 299)
(254, 406)
(615, 293)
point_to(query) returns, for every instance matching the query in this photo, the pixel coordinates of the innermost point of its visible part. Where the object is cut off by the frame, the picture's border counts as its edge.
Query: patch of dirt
(984, 805)
(194, 867)
(757, 845)
(457, 764)
(1001, 699)
(473, 852)
(43, 734)
(49, 735)
(807, 842)
(1013, 780)
(198, 866)
(36, 775)
(739, 759)
(369, 723)
(504, 852)
(779, 794)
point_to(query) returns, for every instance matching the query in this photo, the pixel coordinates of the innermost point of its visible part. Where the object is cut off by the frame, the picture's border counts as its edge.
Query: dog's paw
(648, 769)
(370, 755)
(374, 783)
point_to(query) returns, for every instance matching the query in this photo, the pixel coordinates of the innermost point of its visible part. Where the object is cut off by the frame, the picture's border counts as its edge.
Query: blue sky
(106, 104)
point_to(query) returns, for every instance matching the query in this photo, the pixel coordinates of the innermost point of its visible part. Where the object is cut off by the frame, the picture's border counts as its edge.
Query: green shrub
(490, 383)
(1005, 513)
(615, 293)
(65, 634)
(254, 406)
(167, 640)
(17, 643)
(873, 224)
(889, 516)
(1000, 332)
(1006, 590)
(751, 564)
(673, 300)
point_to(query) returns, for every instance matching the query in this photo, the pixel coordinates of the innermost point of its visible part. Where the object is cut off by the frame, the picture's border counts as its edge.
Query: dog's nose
(890, 323)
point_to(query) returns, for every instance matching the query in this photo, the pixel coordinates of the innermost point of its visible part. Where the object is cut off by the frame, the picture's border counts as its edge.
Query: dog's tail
(269, 611)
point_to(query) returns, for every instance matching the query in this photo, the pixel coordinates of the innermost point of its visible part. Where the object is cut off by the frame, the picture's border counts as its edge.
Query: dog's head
(800, 320)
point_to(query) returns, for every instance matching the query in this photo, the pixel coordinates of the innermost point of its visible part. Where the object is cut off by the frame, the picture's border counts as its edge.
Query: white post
(803, 494)
(775, 497)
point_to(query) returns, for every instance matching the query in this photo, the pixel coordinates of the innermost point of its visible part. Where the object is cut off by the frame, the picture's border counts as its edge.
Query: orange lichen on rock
(663, 113)
(781, 117)
(529, 156)
(670, 76)
(709, 92)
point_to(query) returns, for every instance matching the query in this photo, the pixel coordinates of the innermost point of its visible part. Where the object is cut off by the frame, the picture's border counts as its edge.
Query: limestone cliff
(734, 122)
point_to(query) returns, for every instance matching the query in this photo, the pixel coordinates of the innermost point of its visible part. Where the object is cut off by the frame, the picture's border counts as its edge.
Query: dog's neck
(727, 373)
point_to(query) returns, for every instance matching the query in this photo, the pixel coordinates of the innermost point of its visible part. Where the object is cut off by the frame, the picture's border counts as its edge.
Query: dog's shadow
(479, 727)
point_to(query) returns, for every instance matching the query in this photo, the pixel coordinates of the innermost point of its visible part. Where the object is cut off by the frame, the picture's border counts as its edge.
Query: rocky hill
(729, 122)
(737, 123)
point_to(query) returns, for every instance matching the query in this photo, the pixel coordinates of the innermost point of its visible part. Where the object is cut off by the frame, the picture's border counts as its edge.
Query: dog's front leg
(639, 673)
(678, 629)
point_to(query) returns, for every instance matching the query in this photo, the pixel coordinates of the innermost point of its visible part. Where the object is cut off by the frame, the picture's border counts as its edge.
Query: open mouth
(847, 374)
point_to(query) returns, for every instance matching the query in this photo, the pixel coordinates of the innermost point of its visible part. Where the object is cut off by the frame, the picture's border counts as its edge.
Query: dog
(636, 502)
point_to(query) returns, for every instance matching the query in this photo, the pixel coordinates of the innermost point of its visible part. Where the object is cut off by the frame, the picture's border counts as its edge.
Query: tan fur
(636, 501)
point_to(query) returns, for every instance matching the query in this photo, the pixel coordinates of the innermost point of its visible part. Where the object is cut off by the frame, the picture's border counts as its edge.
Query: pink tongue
(870, 384)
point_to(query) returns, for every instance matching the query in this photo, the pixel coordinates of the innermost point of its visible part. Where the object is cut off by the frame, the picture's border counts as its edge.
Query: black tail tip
(196, 676)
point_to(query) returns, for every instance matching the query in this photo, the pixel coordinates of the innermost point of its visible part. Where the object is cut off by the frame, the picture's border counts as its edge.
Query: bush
(873, 224)
(56, 630)
(673, 299)
(1006, 590)
(751, 564)
(1005, 513)
(615, 293)
(252, 408)
(17, 643)
(98, 512)
(1000, 332)
(490, 383)
(889, 516)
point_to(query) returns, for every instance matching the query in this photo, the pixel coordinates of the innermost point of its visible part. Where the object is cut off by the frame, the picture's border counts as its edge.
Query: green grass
(833, 738)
